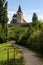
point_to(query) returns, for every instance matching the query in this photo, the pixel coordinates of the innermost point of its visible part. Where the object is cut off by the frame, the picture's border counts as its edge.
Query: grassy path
(29, 56)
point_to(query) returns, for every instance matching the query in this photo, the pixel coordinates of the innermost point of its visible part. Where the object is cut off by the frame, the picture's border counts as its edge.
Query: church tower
(19, 15)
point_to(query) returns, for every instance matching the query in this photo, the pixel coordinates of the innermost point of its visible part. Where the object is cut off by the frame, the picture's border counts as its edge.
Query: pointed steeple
(19, 9)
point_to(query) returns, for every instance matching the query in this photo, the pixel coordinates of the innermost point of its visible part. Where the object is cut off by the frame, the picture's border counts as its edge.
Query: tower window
(18, 13)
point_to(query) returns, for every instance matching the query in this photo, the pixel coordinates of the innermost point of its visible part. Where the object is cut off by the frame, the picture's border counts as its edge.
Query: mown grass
(13, 60)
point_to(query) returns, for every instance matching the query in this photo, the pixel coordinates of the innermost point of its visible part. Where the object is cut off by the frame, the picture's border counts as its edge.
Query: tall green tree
(4, 15)
(5, 18)
(36, 23)
(34, 18)
(1, 11)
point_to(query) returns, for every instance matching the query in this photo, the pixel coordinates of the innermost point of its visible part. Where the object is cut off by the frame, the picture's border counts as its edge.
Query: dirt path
(29, 56)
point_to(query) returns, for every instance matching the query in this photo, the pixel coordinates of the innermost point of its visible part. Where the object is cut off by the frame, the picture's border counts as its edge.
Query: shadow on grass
(13, 62)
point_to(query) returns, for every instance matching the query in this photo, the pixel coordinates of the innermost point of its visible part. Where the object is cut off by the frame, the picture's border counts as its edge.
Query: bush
(2, 35)
(30, 37)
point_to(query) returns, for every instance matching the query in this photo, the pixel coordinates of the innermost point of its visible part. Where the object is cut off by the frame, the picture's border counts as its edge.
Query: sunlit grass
(4, 48)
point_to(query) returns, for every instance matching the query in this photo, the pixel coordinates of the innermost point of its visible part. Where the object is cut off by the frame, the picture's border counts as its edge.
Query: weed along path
(29, 56)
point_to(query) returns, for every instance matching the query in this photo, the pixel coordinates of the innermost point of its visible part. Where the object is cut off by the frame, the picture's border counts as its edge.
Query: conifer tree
(4, 15)
(5, 18)
(34, 18)
(1, 11)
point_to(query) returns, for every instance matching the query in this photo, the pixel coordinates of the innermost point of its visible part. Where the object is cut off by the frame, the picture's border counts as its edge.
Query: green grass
(17, 59)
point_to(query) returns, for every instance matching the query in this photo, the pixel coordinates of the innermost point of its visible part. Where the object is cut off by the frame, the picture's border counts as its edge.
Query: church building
(18, 17)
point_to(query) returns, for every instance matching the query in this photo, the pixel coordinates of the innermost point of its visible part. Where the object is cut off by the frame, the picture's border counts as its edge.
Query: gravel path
(29, 56)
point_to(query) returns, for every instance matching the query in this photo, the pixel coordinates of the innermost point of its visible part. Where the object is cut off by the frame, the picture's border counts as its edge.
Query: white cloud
(40, 16)
(10, 14)
(27, 15)
(36, 10)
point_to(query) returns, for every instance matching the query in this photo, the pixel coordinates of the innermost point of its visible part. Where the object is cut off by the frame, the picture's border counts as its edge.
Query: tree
(4, 16)
(3, 12)
(5, 19)
(34, 18)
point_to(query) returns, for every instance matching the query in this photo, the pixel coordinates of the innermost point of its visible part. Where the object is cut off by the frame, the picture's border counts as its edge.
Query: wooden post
(7, 56)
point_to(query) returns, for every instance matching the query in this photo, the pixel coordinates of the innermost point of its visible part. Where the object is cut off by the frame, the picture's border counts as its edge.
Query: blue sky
(28, 8)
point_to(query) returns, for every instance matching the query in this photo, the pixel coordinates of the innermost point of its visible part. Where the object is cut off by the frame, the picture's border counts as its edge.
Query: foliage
(3, 20)
(14, 32)
(2, 36)
(3, 12)
(31, 36)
